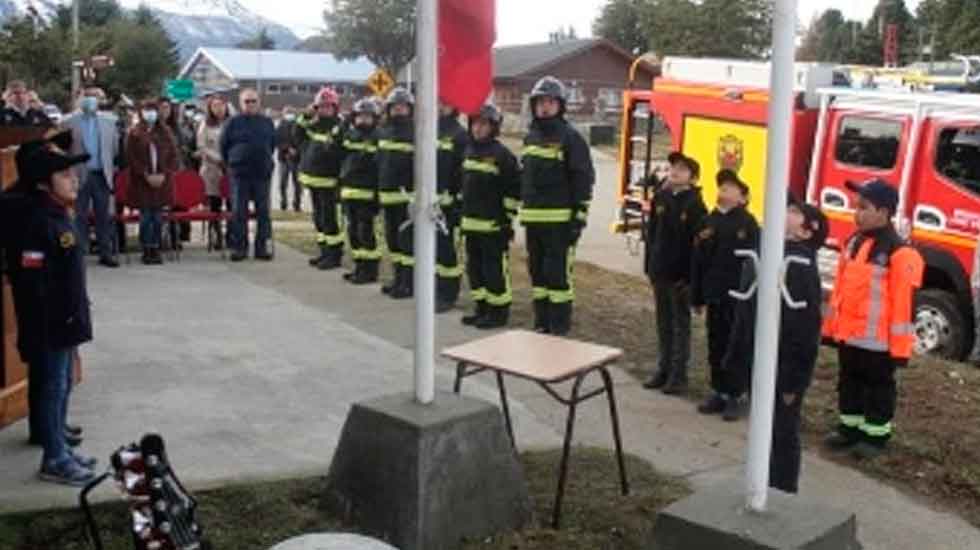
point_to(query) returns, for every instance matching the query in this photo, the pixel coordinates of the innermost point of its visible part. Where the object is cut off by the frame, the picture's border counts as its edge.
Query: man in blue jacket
(247, 145)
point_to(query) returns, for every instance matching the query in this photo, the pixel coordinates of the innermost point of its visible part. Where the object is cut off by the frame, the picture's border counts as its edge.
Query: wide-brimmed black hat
(814, 220)
(729, 176)
(38, 160)
(693, 165)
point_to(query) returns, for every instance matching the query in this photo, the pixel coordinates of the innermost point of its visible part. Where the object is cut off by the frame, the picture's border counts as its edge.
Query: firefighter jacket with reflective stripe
(359, 170)
(673, 225)
(491, 185)
(558, 174)
(452, 146)
(715, 269)
(321, 145)
(396, 161)
(872, 302)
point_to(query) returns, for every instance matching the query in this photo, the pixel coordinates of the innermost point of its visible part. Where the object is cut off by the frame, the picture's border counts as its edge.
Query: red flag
(467, 31)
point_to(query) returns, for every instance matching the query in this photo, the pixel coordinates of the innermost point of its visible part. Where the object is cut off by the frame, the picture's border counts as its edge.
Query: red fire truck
(926, 144)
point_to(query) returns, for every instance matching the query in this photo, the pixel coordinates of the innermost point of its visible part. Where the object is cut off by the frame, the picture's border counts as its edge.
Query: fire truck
(925, 144)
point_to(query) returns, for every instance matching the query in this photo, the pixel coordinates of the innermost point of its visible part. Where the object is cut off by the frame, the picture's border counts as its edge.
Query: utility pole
(76, 71)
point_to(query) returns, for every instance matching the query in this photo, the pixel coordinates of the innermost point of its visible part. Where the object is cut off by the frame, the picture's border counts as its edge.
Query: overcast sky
(524, 21)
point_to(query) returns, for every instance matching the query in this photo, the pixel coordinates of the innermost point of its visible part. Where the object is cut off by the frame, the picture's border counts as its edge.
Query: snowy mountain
(190, 23)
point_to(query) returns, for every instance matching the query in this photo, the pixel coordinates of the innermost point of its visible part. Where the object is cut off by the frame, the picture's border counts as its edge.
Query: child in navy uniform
(716, 270)
(799, 339)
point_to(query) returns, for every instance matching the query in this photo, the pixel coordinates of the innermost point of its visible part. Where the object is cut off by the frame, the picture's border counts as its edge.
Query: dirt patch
(258, 516)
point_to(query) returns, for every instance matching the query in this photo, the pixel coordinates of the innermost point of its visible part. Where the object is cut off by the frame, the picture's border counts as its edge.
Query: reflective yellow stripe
(446, 145)
(507, 297)
(446, 199)
(545, 215)
(318, 137)
(471, 165)
(512, 204)
(365, 254)
(566, 296)
(876, 430)
(355, 194)
(582, 216)
(477, 225)
(362, 146)
(851, 420)
(317, 181)
(390, 198)
(321, 238)
(548, 153)
(449, 272)
(539, 293)
(333, 240)
(391, 145)
(479, 294)
(408, 261)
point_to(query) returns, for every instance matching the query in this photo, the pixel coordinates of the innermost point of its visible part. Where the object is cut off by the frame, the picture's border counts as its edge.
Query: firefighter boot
(478, 314)
(447, 292)
(330, 259)
(541, 321)
(315, 260)
(405, 288)
(496, 317)
(560, 319)
(365, 273)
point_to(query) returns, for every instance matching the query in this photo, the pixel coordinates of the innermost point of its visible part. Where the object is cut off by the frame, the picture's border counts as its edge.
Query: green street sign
(180, 90)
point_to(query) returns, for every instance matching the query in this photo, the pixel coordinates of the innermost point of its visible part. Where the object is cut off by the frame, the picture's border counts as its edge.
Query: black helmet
(367, 106)
(400, 95)
(549, 86)
(491, 114)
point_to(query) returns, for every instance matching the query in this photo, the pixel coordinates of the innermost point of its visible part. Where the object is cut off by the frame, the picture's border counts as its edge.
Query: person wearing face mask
(151, 151)
(95, 134)
(556, 193)
(288, 156)
(321, 142)
(396, 183)
(359, 191)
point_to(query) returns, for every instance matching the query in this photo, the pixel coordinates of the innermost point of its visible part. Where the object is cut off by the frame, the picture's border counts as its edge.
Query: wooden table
(547, 361)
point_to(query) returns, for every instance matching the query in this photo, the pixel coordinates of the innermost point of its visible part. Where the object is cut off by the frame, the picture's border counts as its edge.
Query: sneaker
(867, 451)
(735, 409)
(656, 382)
(87, 462)
(714, 404)
(65, 472)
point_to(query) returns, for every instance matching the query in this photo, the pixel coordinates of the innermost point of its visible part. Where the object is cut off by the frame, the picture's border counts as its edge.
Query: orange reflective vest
(872, 301)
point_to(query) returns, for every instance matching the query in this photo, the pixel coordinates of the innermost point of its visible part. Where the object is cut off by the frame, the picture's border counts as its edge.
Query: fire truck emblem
(730, 152)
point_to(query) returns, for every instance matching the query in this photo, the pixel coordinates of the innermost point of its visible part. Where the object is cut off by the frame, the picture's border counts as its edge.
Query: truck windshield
(958, 157)
(868, 142)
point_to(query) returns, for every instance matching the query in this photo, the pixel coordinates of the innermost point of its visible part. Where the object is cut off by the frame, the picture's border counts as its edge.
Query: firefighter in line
(869, 317)
(556, 192)
(359, 191)
(716, 270)
(491, 187)
(320, 140)
(452, 145)
(396, 183)
(677, 214)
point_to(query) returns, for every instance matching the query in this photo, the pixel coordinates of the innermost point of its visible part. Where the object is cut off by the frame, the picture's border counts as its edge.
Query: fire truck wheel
(939, 325)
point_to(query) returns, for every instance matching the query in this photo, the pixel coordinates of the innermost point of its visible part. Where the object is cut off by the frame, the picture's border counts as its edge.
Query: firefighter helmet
(549, 86)
(327, 96)
(367, 106)
(491, 114)
(400, 95)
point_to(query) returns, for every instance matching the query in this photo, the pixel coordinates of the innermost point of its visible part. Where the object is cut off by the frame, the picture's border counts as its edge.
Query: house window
(610, 98)
(575, 93)
(869, 142)
(273, 89)
(958, 157)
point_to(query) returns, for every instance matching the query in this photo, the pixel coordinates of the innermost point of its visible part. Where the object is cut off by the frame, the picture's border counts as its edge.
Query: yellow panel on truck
(718, 144)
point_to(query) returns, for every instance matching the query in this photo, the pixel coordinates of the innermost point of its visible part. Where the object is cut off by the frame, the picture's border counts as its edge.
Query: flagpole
(425, 182)
(773, 238)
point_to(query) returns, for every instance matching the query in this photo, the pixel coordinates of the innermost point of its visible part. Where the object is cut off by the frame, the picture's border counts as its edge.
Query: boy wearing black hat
(799, 338)
(869, 316)
(715, 271)
(678, 211)
(51, 301)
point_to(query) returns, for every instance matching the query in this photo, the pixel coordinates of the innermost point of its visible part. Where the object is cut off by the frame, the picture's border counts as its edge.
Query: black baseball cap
(693, 166)
(876, 191)
(729, 176)
(814, 220)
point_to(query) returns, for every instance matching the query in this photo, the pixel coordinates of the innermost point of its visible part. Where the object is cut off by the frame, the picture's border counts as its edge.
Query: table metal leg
(506, 408)
(566, 450)
(617, 437)
(460, 372)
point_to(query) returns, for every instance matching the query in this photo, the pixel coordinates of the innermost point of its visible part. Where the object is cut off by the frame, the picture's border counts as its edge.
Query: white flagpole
(773, 235)
(426, 135)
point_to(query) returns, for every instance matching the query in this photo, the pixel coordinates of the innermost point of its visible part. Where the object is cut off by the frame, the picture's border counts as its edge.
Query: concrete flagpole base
(423, 477)
(718, 518)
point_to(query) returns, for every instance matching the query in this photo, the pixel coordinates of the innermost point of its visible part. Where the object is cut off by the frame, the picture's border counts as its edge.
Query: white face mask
(150, 117)
(289, 117)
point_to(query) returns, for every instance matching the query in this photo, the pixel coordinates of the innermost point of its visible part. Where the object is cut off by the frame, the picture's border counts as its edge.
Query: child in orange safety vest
(869, 317)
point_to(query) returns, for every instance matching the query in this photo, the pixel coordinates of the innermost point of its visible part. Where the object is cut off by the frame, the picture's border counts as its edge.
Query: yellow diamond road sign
(380, 82)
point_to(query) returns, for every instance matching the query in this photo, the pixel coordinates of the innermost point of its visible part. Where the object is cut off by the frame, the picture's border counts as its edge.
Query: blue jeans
(52, 378)
(151, 227)
(244, 191)
(94, 195)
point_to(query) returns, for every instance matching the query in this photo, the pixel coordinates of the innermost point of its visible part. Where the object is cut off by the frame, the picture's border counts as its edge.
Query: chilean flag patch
(32, 259)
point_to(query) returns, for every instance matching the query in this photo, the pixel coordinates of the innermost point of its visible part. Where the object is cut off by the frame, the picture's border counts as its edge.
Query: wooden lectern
(13, 371)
